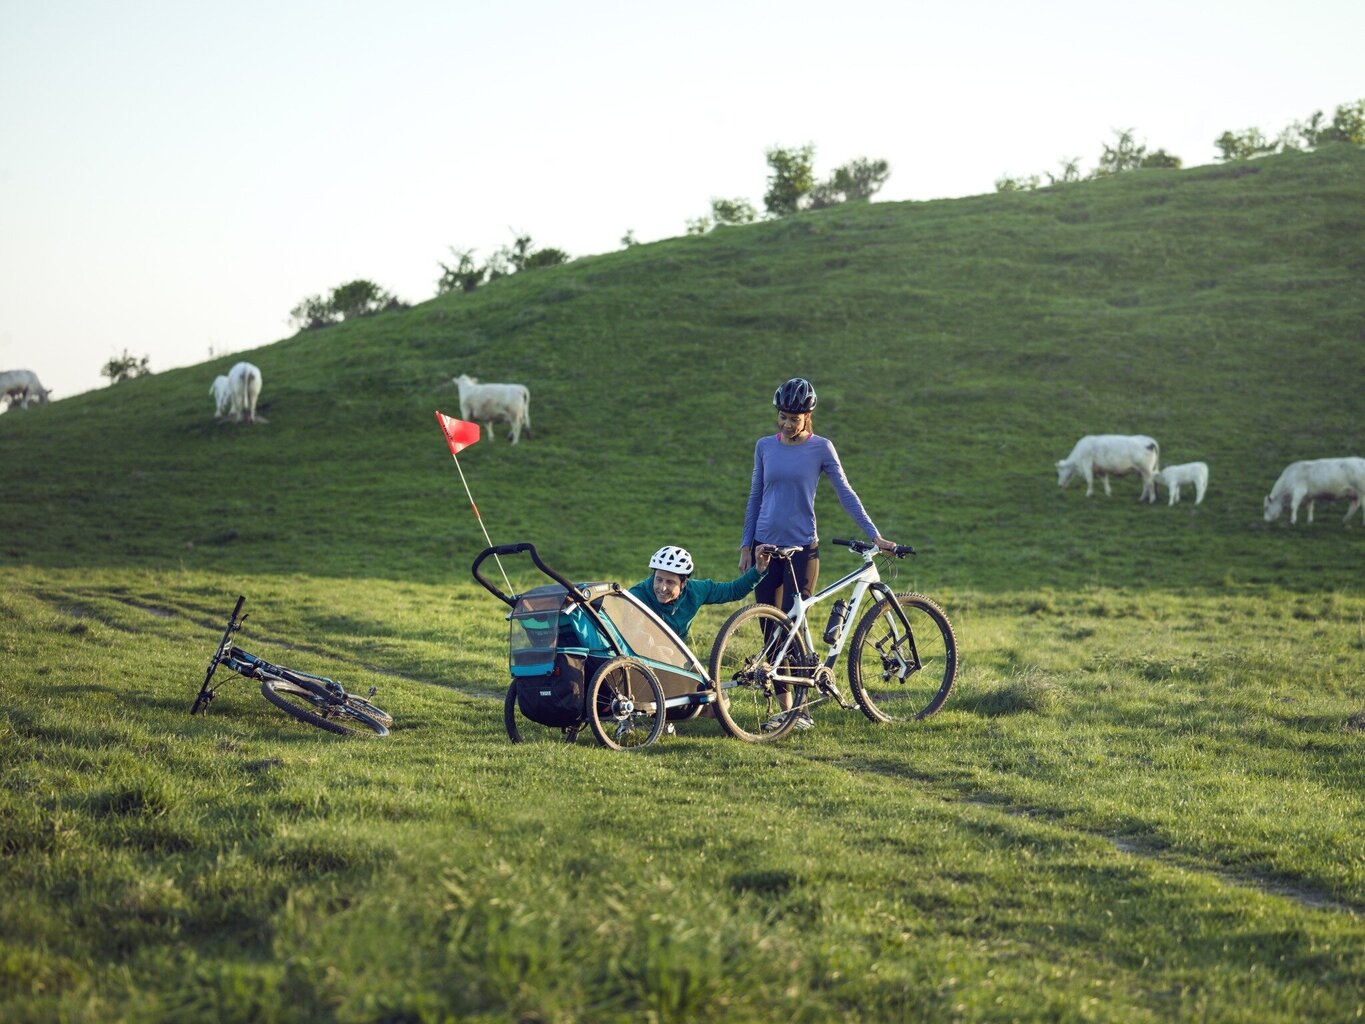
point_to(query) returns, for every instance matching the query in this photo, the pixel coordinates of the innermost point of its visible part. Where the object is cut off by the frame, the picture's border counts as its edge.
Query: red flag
(459, 434)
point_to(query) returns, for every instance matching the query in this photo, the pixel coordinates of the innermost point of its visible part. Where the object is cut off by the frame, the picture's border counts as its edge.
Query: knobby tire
(313, 704)
(886, 689)
(741, 658)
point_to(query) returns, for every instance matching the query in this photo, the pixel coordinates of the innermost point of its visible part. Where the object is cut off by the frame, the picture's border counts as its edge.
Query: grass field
(1143, 801)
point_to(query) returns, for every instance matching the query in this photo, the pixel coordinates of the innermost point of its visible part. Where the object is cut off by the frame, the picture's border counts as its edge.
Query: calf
(1173, 477)
(1106, 455)
(1313, 480)
(221, 390)
(510, 403)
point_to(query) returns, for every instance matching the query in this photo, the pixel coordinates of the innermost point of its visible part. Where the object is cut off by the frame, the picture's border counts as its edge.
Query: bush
(348, 301)
(464, 276)
(126, 367)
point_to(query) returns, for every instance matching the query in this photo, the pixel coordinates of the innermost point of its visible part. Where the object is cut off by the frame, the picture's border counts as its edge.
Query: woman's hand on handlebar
(887, 547)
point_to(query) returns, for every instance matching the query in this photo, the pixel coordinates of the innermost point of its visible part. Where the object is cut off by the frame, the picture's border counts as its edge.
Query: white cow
(1313, 480)
(20, 386)
(244, 383)
(510, 403)
(1193, 473)
(1106, 455)
(221, 390)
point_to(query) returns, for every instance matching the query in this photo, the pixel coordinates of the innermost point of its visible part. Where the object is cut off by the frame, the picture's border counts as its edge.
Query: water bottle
(837, 614)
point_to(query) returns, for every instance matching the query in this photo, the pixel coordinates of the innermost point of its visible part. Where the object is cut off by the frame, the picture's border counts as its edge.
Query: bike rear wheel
(314, 705)
(742, 666)
(898, 675)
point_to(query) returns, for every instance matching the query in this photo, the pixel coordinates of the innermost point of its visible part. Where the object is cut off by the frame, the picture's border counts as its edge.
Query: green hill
(1142, 801)
(959, 348)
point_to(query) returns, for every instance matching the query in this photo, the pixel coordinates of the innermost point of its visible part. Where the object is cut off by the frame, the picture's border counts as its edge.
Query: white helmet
(672, 559)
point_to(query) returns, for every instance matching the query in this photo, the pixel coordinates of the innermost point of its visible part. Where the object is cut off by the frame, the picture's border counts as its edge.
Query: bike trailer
(550, 643)
(588, 653)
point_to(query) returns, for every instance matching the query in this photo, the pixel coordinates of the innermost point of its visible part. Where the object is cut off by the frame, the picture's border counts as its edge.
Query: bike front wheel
(626, 705)
(898, 673)
(316, 706)
(743, 664)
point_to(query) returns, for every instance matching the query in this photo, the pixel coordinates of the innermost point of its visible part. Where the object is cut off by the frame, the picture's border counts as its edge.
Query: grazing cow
(244, 382)
(20, 386)
(510, 403)
(1172, 477)
(1106, 455)
(221, 390)
(1314, 480)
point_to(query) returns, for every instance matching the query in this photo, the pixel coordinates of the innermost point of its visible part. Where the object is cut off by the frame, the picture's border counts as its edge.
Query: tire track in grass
(68, 606)
(1142, 847)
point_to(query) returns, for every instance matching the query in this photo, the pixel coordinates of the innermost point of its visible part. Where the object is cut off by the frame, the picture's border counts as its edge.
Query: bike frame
(244, 663)
(864, 579)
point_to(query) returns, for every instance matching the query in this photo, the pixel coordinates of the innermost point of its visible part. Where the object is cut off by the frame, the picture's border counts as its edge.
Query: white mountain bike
(901, 665)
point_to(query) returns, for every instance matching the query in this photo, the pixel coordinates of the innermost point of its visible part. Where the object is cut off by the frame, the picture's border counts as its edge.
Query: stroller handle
(515, 549)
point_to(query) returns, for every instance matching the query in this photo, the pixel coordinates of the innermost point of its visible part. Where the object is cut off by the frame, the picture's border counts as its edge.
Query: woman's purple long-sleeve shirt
(781, 506)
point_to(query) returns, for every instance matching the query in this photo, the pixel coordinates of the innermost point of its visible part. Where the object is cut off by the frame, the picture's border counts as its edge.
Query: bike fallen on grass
(317, 700)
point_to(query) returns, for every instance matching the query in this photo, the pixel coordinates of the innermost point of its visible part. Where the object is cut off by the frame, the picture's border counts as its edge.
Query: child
(675, 597)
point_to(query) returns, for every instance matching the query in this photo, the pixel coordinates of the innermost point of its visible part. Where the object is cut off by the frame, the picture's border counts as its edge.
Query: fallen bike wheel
(316, 706)
(366, 708)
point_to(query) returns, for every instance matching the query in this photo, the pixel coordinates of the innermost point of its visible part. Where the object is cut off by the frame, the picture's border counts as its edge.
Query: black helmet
(796, 395)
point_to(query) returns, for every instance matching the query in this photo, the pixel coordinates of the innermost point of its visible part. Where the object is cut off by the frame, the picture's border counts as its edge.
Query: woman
(781, 509)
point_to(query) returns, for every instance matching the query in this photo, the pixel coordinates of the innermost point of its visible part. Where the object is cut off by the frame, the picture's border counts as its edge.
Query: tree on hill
(547, 257)
(349, 301)
(464, 276)
(726, 212)
(521, 255)
(790, 180)
(1347, 125)
(1071, 172)
(855, 181)
(792, 185)
(126, 367)
(1126, 154)
(1244, 145)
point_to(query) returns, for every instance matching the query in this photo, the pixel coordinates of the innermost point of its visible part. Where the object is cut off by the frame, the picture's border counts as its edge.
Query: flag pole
(478, 517)
(460, 435)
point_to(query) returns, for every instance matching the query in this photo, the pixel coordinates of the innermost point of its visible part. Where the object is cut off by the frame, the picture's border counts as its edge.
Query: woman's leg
(773, 589)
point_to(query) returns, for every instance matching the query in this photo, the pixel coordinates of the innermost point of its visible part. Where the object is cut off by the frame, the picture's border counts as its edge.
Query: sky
(176, 177)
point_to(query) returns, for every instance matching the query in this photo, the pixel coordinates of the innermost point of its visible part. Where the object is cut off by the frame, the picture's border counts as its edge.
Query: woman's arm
(746, 558)
(834, 470)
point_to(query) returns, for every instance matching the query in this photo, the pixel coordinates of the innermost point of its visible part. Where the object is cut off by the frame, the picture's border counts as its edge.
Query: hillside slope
(959, 348)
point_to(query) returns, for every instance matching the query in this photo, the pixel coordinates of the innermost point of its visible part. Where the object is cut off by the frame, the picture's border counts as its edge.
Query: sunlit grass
(1113, 810)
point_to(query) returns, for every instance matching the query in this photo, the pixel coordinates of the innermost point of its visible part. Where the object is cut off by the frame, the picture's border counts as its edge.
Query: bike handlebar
(864, 546)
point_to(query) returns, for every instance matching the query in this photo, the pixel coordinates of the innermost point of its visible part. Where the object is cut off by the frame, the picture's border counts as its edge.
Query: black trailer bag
(556, 698)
